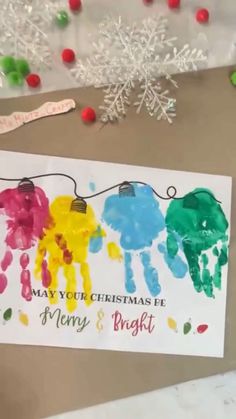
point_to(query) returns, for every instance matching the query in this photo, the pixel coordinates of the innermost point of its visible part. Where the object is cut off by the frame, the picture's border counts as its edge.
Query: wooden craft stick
(17, 119)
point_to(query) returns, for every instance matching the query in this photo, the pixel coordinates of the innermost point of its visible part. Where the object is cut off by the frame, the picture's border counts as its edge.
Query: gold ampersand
(100, 315)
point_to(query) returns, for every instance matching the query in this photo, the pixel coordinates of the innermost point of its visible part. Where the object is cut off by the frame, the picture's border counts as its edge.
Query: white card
(109, 256)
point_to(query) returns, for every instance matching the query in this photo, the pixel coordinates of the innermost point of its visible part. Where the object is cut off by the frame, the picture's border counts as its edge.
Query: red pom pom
(202, 15)
(88, 115)
(75, 5)
(173, 4)
(33, 80)
(147, 2)
(68, 55)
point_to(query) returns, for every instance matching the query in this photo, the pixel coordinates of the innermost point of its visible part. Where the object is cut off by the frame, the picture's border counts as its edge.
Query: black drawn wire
(171, 191)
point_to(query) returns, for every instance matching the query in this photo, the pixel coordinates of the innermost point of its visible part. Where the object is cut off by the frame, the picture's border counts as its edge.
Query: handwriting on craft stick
(17, 119)
(100, 315)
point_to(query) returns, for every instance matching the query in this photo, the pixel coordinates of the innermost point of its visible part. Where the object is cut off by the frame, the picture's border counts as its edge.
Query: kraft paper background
(37, 381)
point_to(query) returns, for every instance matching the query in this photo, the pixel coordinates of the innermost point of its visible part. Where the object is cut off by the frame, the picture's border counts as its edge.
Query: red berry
(33, 80)
(202, 15)
(173, 4)
(68, 55)
(147, 2)
(75, 5)
(88, 115)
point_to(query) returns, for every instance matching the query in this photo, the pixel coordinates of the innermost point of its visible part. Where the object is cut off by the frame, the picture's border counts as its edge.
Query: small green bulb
(15, 79)
(7, 64)
(7, 314)
(62, 18)
(22, 67)
(187, 328)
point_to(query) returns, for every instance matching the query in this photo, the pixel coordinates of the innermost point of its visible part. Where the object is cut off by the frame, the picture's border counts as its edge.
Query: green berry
(22, 67)
(62, 18)
(7, 64)
(233, 78)
(15, 79)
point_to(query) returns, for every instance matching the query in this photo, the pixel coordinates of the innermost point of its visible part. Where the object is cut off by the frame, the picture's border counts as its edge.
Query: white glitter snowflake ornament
(24, 27)
(138, 56)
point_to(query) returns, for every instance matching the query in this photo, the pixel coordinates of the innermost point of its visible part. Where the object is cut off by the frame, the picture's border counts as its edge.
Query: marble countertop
(200, 399)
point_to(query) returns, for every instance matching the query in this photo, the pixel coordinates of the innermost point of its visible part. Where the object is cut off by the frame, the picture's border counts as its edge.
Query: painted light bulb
(65, 244)
(27, 213)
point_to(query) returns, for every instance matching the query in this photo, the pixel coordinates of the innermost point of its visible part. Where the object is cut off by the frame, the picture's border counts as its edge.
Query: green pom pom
(22, 67)
(15, 79)
(233, 78)
(7, 64)
(62, 18)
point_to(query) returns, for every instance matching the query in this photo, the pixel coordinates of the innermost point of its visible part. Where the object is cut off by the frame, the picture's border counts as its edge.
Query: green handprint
(198, 224)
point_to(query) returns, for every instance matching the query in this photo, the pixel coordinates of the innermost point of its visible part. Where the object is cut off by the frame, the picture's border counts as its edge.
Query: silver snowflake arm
(135, 39)
(183, 60)
(99, 70)
(116, 100)
(157, 102)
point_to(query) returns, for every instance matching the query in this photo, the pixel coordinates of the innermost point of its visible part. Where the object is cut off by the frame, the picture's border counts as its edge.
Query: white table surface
(213, 397)
(218, 37)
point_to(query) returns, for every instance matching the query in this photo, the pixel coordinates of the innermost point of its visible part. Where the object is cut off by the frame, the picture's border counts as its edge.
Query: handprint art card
(108, 256)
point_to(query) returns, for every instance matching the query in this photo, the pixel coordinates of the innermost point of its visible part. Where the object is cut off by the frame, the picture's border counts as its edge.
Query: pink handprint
(27, 211)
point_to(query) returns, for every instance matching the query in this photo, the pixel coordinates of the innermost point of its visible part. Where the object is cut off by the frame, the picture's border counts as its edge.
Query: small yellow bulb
(23, 318)
(172, 323)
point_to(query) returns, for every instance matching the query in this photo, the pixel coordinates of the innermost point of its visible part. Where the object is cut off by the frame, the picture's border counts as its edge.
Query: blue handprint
(139, 221)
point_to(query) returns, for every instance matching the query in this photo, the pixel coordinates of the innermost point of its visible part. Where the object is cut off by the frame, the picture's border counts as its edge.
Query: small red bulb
(75, 5)
(173, 4)
(68, 55)
(88, 115)
(202, 15)
(33, 80)
(202, 328)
